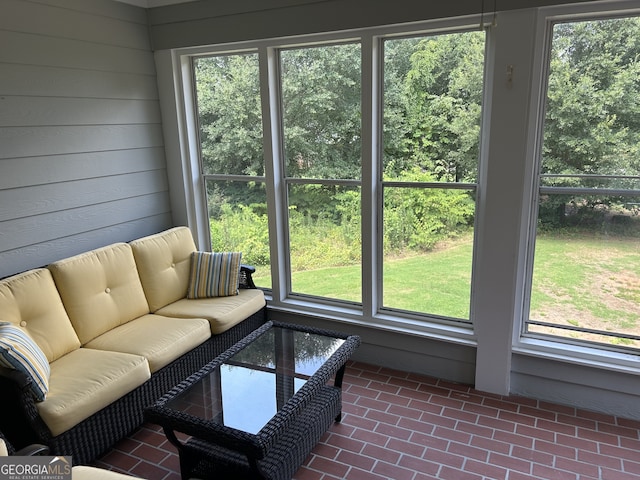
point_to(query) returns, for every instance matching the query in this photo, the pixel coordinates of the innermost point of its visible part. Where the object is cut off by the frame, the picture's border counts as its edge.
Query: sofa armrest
(20, 379)
(245, 277)
(33, 450)
(20, 420)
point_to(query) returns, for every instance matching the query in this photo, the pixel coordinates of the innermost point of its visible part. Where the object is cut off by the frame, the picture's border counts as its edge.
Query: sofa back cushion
(30, 300)
(164, 264)
(100, 289)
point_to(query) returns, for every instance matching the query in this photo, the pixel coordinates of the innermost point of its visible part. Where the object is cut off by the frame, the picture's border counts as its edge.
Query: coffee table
(257, 410)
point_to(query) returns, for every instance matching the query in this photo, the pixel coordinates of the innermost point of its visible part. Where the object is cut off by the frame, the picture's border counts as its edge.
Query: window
(585, 285)
(227, 89)
(423, 122)
(433, 88)
(322, 147)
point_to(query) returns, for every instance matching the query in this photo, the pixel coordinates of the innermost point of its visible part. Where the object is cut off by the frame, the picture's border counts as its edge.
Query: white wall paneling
(88, 26)
(32, 80)
(43, 111)
(42, 140)
(101, 8)
(63, 223)
(40, 254)
(52, 197)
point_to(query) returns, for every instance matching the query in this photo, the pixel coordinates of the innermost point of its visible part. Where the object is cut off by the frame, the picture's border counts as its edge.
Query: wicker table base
(202, 460)
(257, 410)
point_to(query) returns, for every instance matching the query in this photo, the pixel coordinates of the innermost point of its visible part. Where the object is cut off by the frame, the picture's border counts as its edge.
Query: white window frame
(370, 312)
(586, 355)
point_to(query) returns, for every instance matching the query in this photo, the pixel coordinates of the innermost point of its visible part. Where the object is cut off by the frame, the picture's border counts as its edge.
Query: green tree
(242, 229)
(433, 90)
(229, 114)
(592, 124)
(321, 111)
(416, 219)
(433, 105)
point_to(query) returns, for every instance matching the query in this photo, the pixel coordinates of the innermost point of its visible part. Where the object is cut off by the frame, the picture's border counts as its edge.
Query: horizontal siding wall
(82, 159)
(602, 390)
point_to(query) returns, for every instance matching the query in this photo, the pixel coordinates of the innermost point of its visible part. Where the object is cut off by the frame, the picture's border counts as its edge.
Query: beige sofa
(115, 330)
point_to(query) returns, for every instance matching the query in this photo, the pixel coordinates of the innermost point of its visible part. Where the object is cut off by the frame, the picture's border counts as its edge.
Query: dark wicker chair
(77, 473)
(28, 451)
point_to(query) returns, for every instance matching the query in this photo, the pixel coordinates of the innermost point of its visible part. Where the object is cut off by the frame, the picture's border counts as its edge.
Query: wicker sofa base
(95, 435)
(202, 460)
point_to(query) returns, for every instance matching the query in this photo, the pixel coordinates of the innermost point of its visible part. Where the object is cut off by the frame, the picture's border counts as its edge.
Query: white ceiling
(152, 3)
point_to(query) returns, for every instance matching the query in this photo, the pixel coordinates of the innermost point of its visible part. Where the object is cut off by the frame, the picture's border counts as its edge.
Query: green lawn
(437, 282)
(591, 282)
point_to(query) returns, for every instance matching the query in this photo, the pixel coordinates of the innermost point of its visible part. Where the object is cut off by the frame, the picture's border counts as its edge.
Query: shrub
(242, 229)
(417, 219)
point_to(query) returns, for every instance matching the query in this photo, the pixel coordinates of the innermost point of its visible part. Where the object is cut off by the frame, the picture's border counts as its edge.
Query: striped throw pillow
(214, 274)
(19, 352)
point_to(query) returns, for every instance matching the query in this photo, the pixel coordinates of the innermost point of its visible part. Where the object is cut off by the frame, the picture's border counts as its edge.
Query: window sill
(394, 323)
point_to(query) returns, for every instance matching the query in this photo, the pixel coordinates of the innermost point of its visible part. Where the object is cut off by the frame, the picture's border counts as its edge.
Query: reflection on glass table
(249, 388)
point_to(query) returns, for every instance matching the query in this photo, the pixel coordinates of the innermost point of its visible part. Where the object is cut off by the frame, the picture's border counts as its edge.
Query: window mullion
(371, 127)
(274, 172)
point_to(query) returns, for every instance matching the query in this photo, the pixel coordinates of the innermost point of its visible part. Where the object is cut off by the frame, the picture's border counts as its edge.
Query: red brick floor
(403, 426)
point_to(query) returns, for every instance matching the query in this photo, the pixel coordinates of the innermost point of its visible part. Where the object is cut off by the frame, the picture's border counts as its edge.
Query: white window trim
(586, 355)
(369, 313)
(180, 141)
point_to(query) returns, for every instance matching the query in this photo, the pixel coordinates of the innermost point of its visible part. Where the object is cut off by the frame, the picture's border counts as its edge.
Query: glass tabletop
(247, 390)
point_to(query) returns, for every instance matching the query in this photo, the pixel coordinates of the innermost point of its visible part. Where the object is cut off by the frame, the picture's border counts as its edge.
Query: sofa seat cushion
(222, 312)
(164, 263)
(100, 289)
(159, 339)
(87, 380)
(31, 301)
